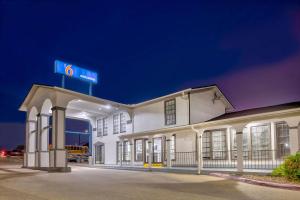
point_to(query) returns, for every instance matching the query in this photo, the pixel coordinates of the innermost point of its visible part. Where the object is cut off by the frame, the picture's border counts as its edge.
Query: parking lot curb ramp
(257, 182)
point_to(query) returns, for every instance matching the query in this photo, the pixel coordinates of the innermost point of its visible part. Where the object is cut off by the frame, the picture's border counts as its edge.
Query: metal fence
(184, 159)
(262, 159)
(219, 159)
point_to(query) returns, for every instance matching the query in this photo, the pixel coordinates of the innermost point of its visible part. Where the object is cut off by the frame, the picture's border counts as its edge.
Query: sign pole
(63, 81)
(90, 89)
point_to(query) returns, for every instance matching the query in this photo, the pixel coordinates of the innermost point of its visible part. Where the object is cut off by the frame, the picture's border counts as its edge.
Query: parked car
(3, 153)
(15, 153)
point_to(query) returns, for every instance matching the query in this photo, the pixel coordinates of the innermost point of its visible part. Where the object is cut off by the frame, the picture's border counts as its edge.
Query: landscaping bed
(273, 179)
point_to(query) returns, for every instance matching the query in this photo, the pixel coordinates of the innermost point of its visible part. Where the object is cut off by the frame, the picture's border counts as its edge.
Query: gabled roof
(259, 110)
(35, 87)
(186, 91)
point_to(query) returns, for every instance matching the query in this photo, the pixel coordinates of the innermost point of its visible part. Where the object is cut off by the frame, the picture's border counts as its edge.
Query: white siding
(111, 139)
(152, 116)
(203, 108)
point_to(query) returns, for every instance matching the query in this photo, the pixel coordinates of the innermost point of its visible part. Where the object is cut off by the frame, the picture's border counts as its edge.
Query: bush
(290, 168)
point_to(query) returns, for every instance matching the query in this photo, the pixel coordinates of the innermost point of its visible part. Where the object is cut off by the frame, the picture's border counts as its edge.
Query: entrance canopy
(45, 101)
(77, 105)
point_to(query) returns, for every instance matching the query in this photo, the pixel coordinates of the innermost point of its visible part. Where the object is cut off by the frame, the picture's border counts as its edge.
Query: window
(245, 143)
(105, 126)
(219, 144)
(214, 144)
(118, 148)
(116, 124)
(138, 150)
(126, 151)
(99, 127)
(170, 112)
(122, 123)
(261, 142)
(282, 139)
(206, 145)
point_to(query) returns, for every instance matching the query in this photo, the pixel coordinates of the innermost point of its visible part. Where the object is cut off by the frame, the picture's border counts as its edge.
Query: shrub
(290, 168)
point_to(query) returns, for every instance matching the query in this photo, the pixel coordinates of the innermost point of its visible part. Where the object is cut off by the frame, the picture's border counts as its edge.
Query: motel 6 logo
(69, 70)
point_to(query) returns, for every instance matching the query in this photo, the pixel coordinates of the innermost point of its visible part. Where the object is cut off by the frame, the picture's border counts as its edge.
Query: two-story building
(196, 128)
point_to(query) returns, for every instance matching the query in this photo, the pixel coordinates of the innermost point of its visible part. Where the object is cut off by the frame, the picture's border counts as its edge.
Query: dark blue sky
(142, 50)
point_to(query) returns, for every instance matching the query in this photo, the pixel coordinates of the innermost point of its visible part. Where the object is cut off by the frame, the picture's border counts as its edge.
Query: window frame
(122, 115)
(253, 150)
(165, 112)
(105, 126)
(123, 152)
(135, 150)
(277, 144)
(99, 129)
(116, 128)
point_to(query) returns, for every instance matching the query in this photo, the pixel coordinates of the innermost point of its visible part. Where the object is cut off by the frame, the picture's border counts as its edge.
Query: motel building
(194, 129)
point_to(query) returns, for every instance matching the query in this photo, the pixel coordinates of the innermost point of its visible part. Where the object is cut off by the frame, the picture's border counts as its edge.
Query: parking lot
(96, 183)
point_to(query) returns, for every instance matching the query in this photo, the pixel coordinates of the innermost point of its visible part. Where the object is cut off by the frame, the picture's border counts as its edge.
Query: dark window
(282, 139)
(99, 127)
(170, 112)
(214, 144)
(118, 148)
(105, 126)
(116, 124)
(122, 123)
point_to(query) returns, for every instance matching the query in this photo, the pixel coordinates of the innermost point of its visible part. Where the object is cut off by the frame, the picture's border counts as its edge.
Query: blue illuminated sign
(75, 71)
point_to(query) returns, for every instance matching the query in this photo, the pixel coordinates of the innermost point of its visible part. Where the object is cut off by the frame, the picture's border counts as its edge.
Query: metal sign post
(63, 81)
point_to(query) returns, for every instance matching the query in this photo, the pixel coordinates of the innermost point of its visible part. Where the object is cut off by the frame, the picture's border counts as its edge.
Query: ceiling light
(107, 106)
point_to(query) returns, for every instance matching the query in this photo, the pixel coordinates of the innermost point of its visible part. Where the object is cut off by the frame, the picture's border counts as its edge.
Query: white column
(131, 151)
(58, 154)
(228, 138)
(294, 134)
(239, 146)
(38, 142)
(150, 145)
(168, 150)
(44, 142)
(121, 151)
(31, 158)
(199, 150)
(25, 161)
(273, 140)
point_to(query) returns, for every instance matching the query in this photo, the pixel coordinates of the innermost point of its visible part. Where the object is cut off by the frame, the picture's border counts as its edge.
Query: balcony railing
(219, 159)
(184, 159)
(262, 159)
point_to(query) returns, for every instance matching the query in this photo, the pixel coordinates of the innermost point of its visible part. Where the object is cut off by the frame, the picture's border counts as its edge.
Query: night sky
(142, 50)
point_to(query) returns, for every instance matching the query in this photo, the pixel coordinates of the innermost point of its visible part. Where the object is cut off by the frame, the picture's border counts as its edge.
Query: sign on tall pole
(73, 71)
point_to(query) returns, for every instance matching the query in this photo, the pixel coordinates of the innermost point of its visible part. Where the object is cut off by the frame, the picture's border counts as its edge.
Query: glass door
(157, 150)
(99, 154)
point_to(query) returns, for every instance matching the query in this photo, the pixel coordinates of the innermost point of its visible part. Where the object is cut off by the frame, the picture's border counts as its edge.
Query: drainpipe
(199, 148)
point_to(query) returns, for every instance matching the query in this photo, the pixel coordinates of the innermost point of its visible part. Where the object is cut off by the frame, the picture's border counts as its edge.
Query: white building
(195, 128)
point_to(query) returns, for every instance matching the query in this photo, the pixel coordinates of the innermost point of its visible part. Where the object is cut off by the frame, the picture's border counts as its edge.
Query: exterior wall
(110, 139)
(203, 108)
(185, 142)
(152, 116)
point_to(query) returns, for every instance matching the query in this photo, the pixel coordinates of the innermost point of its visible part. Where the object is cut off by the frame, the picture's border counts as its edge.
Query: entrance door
(99, 154)
(157, 150)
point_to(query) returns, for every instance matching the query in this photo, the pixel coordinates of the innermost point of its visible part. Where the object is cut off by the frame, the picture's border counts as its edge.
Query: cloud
(263, 85)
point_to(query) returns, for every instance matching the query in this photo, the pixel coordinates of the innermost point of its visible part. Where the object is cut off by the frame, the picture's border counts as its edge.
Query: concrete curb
(257, 182)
